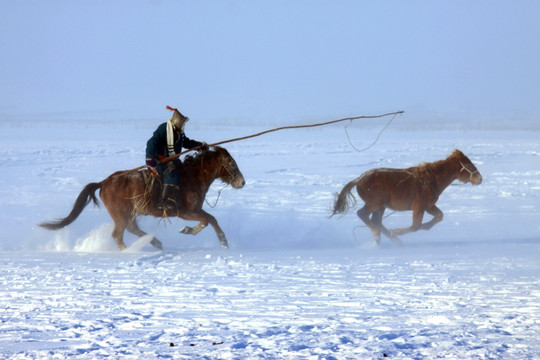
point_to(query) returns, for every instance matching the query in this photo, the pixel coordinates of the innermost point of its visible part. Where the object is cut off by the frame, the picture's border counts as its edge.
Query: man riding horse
(168, 140)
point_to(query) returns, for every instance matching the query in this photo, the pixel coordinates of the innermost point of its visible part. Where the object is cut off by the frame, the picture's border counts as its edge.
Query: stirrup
(166, 205)
(166, 201)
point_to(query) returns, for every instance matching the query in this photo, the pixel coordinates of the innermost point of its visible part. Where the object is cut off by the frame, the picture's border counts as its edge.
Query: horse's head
(228, 171)
(468, 172)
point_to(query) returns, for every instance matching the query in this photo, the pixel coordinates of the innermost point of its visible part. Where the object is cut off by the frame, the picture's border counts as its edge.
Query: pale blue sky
(269, 61)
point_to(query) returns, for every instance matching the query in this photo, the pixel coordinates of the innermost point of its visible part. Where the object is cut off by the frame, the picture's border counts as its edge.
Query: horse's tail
(87, 194)
(345, 199)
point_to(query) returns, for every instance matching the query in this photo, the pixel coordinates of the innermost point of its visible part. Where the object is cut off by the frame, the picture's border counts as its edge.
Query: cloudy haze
(270, 61)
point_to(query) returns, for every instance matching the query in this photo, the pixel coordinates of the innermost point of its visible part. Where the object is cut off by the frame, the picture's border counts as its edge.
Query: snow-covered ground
(294, 284)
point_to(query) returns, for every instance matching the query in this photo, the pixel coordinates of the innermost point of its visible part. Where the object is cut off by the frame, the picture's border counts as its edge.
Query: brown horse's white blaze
(417, 188)
(121, 191)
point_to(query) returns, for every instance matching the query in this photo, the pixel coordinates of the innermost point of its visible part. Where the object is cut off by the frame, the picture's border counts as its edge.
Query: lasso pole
(282, 128)
(175, 156)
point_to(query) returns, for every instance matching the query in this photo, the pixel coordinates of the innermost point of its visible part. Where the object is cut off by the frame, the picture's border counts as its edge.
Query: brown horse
(417, 188)
(127, 194)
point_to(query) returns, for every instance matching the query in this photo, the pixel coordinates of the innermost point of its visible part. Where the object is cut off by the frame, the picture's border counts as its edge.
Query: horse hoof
(157, 244)
(223, 241)
(394, 234)
(395, 239)
(186, 230)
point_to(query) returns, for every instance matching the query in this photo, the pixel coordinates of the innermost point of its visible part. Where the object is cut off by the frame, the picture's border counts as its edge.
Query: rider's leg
(169, 193)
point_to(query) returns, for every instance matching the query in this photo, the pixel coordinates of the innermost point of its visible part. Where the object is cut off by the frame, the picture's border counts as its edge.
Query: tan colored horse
(416, 188)
(126, 194)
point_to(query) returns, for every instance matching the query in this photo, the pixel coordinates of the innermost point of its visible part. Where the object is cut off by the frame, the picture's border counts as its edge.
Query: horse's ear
(458, 153)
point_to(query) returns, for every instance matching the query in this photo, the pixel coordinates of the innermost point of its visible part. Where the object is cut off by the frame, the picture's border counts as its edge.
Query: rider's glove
(152, 163)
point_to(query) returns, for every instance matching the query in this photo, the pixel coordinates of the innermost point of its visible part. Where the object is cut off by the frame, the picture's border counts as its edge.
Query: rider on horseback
(168, 140)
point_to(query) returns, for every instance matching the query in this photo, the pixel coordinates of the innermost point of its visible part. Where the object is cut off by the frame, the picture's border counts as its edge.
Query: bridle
(228, 168)
(231, 176)
(471, 173)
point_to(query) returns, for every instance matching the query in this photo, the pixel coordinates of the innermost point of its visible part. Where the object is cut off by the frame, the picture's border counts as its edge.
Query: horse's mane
(427, 166)
(422, 172)
(198, 157)
(427, 169)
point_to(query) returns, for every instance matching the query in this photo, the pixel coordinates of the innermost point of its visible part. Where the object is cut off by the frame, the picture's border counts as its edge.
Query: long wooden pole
(175, 156)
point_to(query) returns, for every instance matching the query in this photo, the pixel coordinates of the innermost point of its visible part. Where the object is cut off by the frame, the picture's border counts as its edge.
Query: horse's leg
(417, 223)
(133, 228)
(120, 222)
(193, 216)
(363, 214)
(220, 234)
(377, 220)
(437, 217)
(118, 234)
(204, 219)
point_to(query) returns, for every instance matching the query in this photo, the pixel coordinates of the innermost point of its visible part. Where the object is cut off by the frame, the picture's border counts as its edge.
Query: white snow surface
(295, 284)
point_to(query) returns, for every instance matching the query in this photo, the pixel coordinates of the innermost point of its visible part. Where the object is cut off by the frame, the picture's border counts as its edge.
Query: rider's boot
(168, 196)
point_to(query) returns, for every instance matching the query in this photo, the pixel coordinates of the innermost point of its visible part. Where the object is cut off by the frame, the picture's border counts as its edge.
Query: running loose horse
(127, 194)
(417, 188)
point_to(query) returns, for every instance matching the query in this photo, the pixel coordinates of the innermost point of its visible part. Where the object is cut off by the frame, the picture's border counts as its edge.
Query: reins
(228, 169)
(218, 196)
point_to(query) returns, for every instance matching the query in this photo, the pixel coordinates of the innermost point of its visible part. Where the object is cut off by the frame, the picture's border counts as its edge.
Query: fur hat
(178, 120)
